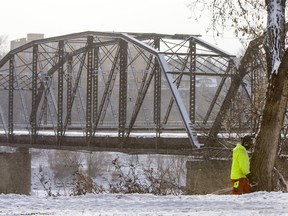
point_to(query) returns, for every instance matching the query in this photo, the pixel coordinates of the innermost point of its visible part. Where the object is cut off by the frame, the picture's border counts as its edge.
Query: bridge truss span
(95, 83)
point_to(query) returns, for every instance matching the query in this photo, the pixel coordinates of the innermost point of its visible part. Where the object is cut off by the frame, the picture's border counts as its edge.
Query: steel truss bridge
(108, 90)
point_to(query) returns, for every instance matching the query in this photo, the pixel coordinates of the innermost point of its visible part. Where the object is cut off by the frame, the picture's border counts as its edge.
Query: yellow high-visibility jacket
(240, 162)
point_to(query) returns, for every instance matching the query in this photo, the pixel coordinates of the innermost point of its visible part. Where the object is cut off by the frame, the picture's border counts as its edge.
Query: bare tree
(245, 17)
(268, 139)
(267, 18)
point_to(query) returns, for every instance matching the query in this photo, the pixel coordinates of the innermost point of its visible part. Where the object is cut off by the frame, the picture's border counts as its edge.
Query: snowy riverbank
(260, 203)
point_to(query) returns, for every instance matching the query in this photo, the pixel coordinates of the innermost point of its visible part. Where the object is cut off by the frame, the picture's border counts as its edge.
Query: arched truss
(92, 82)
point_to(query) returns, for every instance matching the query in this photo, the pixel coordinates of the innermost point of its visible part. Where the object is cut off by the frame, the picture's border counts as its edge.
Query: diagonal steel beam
(169, 78)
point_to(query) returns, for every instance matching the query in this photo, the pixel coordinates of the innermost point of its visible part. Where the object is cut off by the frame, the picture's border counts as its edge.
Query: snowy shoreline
(259, 203)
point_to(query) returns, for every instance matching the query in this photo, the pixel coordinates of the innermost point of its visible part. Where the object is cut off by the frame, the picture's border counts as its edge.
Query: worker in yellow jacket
(240, 169)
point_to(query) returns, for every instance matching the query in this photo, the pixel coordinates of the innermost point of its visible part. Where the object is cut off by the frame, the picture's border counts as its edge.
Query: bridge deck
(177, 145)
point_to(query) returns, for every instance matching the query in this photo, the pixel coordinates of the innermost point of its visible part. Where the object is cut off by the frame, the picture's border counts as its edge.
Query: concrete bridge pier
(15, 172)
(208, 176)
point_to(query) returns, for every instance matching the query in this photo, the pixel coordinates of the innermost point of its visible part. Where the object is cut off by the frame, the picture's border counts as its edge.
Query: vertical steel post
(157, 91)
(60, 92)
(95, 85)
(89, 88)
(11, 99)
(69, 89)
(192, 99)
(123, 88)
(33, 115)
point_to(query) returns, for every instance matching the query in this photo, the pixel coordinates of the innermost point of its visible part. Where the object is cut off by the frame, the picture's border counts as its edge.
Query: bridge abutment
(15, 172)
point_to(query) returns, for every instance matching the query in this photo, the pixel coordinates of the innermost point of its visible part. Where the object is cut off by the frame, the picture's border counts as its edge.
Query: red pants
(240, 186)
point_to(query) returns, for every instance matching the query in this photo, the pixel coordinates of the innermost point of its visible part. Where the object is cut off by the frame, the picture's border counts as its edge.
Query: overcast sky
(58, 17)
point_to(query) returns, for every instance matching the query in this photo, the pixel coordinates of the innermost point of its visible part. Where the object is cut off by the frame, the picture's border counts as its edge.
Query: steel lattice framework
(89, 83)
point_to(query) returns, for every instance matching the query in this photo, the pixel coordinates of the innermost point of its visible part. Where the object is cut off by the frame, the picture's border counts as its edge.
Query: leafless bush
(127, 182)
(83, 184)
(79, 172)
(132, 179)
(165, 175)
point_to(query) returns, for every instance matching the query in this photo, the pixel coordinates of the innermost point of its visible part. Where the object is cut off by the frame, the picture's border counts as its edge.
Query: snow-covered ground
(260, 203)
(254, 204)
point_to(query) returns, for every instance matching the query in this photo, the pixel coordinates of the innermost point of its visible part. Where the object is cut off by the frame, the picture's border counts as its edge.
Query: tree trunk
(268, 137)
